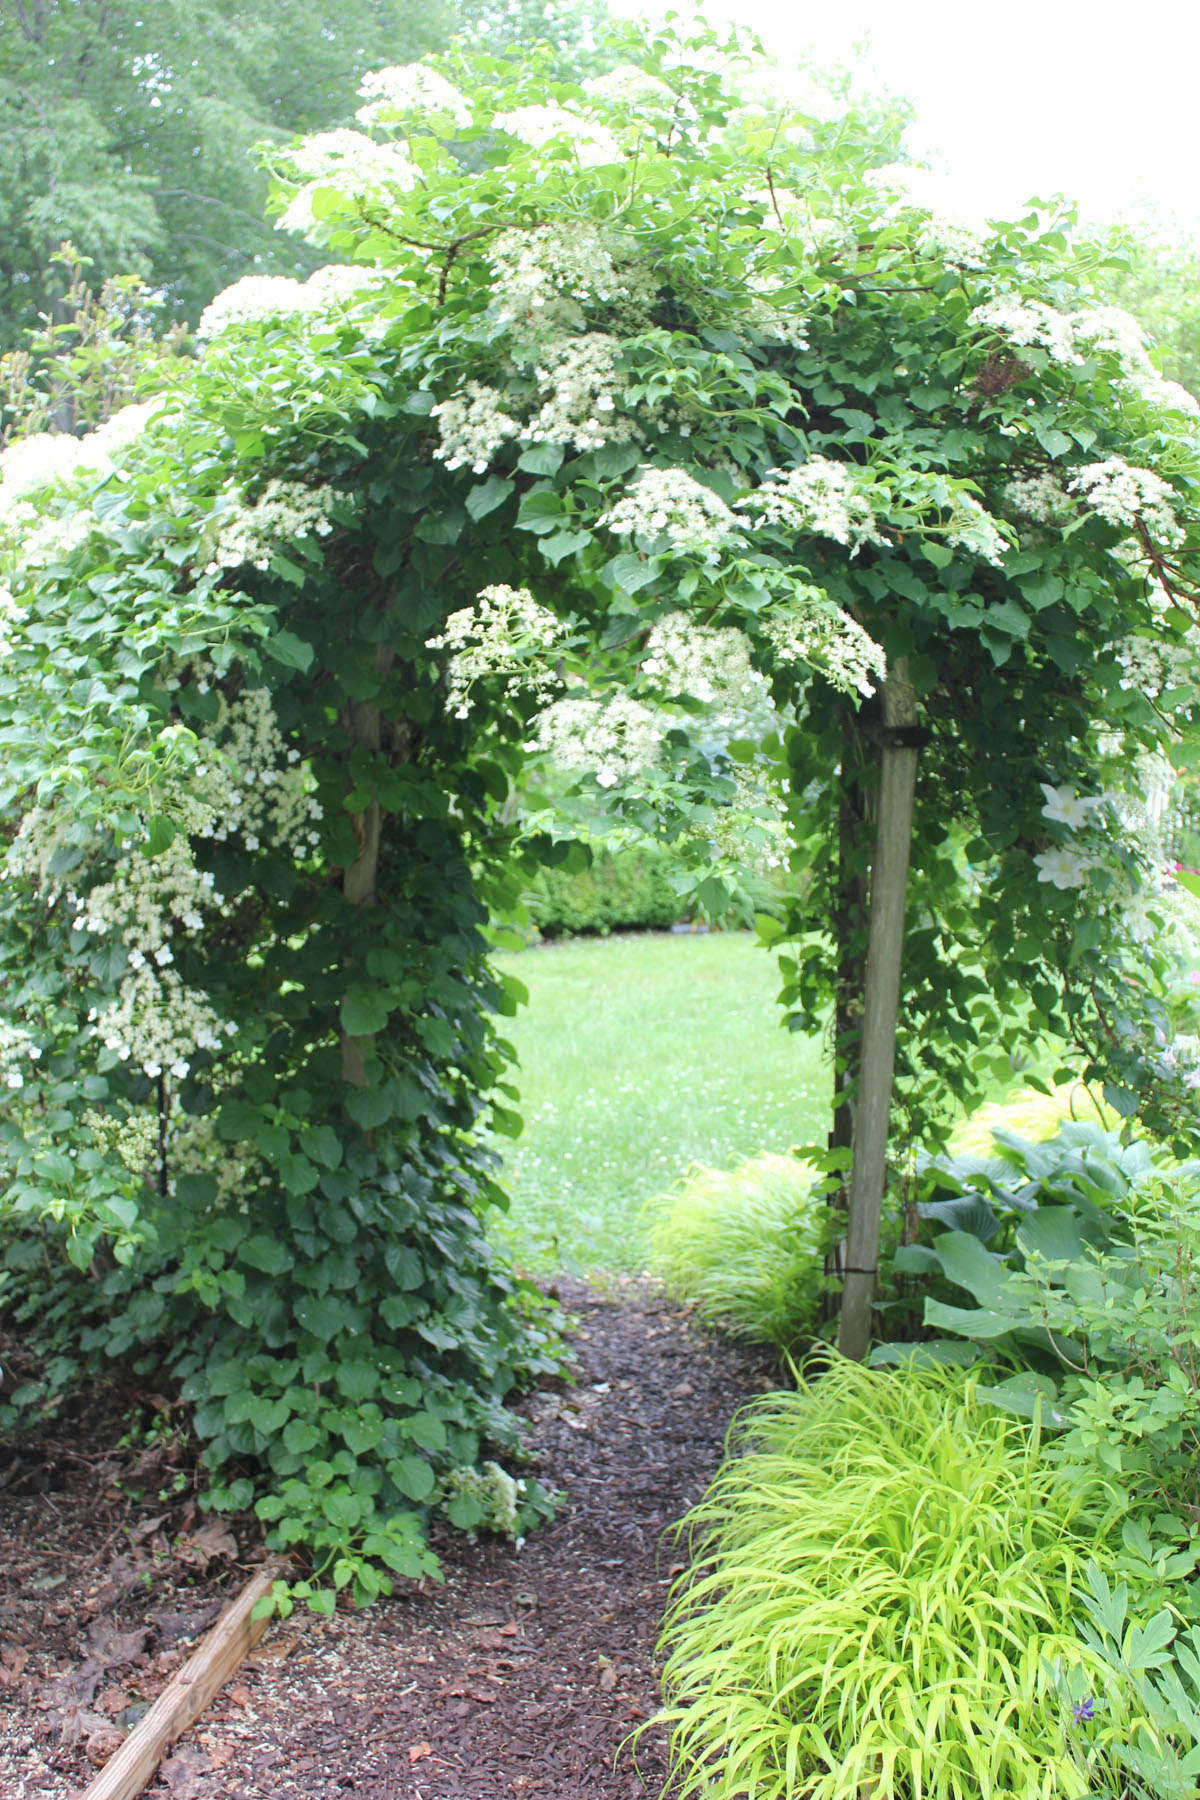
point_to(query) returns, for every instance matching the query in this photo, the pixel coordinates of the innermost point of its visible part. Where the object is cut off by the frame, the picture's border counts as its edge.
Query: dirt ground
(524, 1675)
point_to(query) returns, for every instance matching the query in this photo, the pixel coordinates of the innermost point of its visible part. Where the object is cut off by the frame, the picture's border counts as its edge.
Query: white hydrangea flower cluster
(131, 1137)
(821, 497)
(543, 278)
(1129, 496)
(782, 323)
(497, 1493)
(952, 243)
(1041, 498)
(1176, 1059)
(404, 88)
(813, 631)
(252, 785)
(50, 459)
(195, 1149)
(613, 739)
(472, 426)
(630, 87)
(943, 237)
(1153, 666)
(18, 1049)
(349, 161)
(11, 617)
(1027, 322)
(537, 126)
(249, 533)
(972, 526)
(258, 297)
(671, 504)
(158, 1023)
(577, 376)
(505, 637)
(708, 663)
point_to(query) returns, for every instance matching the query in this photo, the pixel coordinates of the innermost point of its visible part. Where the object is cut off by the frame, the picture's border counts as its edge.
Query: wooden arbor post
(899, 739)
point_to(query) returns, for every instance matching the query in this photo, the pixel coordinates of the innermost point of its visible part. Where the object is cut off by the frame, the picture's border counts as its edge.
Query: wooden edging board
(186, 1694)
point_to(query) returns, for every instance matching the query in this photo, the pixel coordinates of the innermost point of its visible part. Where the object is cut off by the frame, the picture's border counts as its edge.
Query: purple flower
(1083, 1710)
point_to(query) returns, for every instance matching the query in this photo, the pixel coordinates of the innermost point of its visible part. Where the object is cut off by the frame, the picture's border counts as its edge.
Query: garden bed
(522, 1676)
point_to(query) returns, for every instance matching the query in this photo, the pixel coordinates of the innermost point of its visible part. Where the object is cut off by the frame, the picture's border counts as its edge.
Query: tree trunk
(849, 928)
(881, 1000)
(364, 727)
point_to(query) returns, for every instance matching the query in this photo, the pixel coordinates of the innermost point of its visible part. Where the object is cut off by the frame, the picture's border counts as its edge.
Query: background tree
(129, 131)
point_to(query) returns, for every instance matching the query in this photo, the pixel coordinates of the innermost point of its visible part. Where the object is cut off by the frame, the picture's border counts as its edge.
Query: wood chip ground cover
(522, 1676)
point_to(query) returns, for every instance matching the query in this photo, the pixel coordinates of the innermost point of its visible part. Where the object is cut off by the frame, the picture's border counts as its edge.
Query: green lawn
(640, 1056)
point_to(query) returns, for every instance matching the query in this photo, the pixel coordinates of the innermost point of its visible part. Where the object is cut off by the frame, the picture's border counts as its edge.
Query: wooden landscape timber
(187, 1693)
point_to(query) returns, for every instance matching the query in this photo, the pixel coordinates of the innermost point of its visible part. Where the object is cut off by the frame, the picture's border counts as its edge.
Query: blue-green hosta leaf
(970, 1322)
(968, 1212)
(1027, 1395)
(966, 1263)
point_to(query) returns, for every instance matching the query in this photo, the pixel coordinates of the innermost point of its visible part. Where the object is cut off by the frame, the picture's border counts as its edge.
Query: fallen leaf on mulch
(12, 1665)
(185, 1772)
(418, 1752)
(110, 1648)
(211, 1543)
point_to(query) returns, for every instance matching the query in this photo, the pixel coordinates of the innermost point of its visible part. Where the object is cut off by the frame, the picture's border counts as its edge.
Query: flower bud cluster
(131, 1137)
(613, 739)
(670, 504)
(1029, 322)
(505, 638)
(473, 425)
(158, 1023)
(249, 533)
(496, 1492)
(820, 497)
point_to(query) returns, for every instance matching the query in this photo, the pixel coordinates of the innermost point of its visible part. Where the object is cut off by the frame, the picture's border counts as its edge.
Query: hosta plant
(880, 1603)
(745, 1246)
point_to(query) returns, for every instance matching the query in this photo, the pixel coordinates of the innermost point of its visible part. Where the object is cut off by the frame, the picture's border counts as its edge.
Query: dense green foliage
(629, 891)
(884, 1579)
(745, 1247)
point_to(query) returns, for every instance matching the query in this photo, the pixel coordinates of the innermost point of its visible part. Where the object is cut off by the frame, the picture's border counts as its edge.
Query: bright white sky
(1028, 97)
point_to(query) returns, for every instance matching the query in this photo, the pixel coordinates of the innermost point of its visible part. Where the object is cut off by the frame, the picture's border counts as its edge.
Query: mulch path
(524, 1675)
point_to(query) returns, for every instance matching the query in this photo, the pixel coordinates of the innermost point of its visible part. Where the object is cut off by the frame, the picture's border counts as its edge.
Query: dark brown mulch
(524, 1675)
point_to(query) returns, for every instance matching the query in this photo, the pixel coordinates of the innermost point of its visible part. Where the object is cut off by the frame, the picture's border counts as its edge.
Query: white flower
(538, 126)
(407, 88)
(1064, 807)
(1128, 496)
(507, 638)
(829, 499)
(1041, 498)
(671, 504)
(1065, 868)
(1026, 322)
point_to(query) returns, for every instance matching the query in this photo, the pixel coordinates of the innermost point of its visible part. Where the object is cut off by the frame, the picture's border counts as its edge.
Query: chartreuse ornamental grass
(881, 1604)
(746, 1246)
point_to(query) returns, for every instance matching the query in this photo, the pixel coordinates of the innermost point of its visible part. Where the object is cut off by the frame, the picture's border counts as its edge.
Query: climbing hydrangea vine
(641, 429)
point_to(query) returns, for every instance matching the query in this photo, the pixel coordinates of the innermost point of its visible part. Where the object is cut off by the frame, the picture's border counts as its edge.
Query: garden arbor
(636, 399)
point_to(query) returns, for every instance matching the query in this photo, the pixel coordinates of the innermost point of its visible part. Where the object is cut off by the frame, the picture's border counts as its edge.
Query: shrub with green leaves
(630, 889)
(881, 1602)
(745, 1246)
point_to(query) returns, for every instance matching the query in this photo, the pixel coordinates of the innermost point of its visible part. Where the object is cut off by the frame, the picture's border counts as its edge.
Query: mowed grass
(640, 1056)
